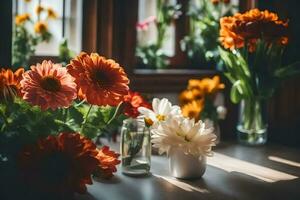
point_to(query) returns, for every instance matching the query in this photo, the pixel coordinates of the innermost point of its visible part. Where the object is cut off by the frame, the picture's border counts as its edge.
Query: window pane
(73, 19)
(148, 35)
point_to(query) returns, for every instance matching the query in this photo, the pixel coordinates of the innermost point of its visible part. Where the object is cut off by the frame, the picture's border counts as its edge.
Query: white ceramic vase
(186, 166)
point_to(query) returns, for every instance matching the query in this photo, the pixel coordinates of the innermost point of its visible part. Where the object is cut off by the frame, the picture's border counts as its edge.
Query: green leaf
(76, 115)
(288, 71)
(236, 93)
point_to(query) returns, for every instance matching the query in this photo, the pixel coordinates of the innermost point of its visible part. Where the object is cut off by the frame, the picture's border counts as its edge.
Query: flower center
(52, 172)
(148, 121)
(51, 84)
(183, 136)
(101, 78)
(160, 117)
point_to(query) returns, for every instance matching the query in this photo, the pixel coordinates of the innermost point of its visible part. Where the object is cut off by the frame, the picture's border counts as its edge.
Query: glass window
(147, 29)
(67, 25)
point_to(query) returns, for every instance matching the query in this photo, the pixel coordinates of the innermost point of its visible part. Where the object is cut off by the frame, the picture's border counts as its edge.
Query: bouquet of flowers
(201, 43)
(170, 129)
(253, 44)
(48, 118)
(28, 32)
(152, 55)
(198, 100)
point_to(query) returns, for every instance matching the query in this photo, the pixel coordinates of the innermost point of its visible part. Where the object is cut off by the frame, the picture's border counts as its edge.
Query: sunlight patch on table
(185, 186)
(231, 164)
(284, 161)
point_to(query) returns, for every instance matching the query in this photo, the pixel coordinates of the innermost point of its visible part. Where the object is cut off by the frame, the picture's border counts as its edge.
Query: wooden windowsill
(165, 80)
(172, 71)
(39, 59)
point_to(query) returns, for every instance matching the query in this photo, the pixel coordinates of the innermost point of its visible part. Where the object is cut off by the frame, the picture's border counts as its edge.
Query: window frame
(119, 24)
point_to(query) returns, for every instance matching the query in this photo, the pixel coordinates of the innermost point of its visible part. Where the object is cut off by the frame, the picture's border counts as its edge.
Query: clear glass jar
(252, 124)
(135, 147)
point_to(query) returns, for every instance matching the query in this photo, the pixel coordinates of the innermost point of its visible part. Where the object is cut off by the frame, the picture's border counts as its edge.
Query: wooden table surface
(235, 172)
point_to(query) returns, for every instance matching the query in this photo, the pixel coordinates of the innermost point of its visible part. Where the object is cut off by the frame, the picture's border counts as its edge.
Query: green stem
(86, 118)
(252, 115)
(80, 103)
(115, 114)
(161, 26)
(65, 112)
(4, 118)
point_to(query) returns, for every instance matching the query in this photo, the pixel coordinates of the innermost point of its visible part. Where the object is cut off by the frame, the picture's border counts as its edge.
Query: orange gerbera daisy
(99, 80)
(10, 84)
(59, 164)
(246, 29)
(189, 95)
(132, 102)
(193, 109)
(107, 162)
(48, 85)
(206, 85)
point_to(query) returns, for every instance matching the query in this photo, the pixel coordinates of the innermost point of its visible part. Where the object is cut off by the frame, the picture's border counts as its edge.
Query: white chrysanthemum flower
(162, 111)
(179, 132)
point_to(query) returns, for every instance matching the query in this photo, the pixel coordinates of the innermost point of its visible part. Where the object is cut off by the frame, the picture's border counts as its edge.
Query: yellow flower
(207, 85)
(20, 19)
(40, 27)
(193, 109)
(194, 84)
(185, 97)
(39, 9)
(51, 13)
(189, 95)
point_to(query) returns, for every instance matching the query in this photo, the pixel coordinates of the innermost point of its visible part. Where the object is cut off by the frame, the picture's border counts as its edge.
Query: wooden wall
(284, 115)
(5, 33)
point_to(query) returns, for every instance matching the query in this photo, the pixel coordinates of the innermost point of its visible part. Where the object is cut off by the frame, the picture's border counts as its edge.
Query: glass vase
(252, 123)
(135, 147)
(186, 166)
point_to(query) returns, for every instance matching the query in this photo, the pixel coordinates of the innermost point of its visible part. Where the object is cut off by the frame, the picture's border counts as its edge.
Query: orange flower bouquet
(198, 101)
(253, 44)
(48, 118)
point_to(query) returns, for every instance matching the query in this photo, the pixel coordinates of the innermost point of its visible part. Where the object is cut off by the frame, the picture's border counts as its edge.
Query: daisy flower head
(10, 84)
(180, 132)
(40, 27)
(132, 101)
(100, 81)
(51, 13)
(21, 19)
(62, 163)
(108, 160)
(48, 85)
(162, 110)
